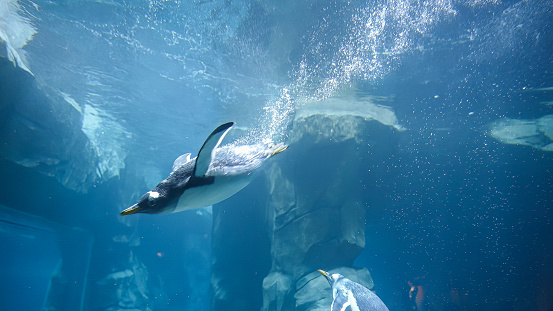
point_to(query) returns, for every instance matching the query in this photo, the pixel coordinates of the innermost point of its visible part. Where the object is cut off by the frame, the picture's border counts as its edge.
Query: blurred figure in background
(417, 294)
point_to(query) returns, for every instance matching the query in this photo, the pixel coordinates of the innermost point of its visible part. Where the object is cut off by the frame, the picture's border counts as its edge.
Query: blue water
(445, 199)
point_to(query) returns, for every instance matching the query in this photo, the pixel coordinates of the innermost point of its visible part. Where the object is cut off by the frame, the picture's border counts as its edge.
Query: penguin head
(331, 278)
(150, 203)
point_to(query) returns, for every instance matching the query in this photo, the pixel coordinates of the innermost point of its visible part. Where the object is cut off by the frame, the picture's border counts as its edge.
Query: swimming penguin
(346, 293)
(211, 177)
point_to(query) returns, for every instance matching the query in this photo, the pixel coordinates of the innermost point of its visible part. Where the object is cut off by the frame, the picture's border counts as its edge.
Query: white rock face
(108, 138)
(15, 31)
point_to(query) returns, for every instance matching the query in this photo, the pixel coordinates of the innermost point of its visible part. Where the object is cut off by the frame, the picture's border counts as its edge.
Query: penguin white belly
(222, 188)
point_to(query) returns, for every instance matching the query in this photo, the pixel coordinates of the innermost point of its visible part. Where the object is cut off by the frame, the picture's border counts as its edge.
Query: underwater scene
(284, 155)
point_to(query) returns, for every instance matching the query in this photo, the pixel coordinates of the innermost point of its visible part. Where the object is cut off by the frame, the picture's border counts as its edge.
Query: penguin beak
(327, 276)
(132, 210)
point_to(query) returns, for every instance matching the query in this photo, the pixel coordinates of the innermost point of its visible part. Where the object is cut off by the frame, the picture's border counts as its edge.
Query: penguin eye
(144, 197)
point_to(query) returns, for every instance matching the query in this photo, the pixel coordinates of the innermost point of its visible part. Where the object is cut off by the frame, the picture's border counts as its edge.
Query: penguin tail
(278, 148)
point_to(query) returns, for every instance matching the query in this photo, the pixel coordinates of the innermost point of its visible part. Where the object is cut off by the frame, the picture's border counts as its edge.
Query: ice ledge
(340, 118)
(536, 133)
(15, 31)
(349, 105)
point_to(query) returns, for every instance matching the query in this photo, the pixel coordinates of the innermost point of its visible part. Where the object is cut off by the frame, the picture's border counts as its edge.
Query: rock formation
(316, 211)
(312, 205)
(43, 132)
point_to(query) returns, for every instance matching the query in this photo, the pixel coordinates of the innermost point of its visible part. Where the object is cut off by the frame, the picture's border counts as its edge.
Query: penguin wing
(340, 302)
(183, 159)
(205, 155)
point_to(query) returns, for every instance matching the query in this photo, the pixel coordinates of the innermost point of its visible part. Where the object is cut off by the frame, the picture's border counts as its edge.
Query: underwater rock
(15, 31)
(107, 138)
(69, 246)
(316, 211)
(316, 218)
(39, 129)
(122, 290)
(306, 212)
(536, 133)
(240, 250)
(116, 276)
(274, 285)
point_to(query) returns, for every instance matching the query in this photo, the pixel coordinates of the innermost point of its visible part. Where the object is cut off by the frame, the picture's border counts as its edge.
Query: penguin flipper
(206, 152)
(340, 302)
(183, 159)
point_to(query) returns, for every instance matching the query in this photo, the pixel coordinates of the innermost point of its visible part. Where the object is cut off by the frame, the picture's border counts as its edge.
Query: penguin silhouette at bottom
(347, 293)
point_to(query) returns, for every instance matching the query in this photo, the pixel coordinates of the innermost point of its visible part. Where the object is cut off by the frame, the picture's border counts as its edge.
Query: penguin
(347, 293)
(213, 176)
